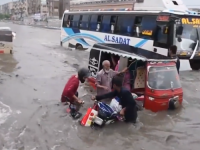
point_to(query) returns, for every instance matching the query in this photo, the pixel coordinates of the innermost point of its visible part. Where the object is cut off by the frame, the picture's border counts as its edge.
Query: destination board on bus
(162, 18)
(191, 21)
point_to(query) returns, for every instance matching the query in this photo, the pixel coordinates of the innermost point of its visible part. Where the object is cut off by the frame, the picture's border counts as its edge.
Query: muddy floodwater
(32, 118)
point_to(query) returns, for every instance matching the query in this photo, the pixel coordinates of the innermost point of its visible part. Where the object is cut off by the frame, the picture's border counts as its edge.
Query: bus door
(163, 35)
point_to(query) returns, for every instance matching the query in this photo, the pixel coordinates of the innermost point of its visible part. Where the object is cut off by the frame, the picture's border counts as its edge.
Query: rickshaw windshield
(163, 78)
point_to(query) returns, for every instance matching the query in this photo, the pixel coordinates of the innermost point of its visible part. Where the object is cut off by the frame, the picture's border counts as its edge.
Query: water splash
(5, 112)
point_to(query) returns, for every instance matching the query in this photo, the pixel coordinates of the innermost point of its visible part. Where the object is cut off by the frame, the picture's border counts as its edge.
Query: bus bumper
(188, 57)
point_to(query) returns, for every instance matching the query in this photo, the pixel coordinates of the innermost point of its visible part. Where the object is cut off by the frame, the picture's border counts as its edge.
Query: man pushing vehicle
(129, 105)
(70, 94)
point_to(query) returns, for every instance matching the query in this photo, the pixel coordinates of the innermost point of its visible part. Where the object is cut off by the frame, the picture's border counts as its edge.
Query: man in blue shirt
(129, 108)
(172, 54)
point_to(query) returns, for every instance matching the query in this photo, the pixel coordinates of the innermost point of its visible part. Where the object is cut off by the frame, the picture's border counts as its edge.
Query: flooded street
(32, 118)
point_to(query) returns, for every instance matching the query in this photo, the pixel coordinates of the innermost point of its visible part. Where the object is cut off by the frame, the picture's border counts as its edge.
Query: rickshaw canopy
(131, 52)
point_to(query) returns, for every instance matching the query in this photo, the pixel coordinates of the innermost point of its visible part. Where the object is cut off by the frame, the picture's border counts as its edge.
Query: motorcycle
(101, 114)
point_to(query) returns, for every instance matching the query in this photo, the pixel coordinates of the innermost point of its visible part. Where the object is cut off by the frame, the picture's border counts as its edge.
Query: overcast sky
(187, 2)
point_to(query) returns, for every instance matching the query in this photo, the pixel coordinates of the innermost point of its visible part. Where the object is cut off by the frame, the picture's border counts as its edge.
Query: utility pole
(63, 5)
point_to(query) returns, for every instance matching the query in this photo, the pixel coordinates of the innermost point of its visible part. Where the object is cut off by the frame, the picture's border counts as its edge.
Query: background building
(7, 8)
(53, 7)
(63, 5)
(19, 9)
(100, 4)
(34, 6)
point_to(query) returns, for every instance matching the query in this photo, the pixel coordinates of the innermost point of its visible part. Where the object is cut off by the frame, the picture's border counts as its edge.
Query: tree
(5, 16)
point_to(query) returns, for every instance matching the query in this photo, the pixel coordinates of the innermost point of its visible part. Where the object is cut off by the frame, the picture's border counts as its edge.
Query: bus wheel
(61, 43)
(79, 47)
(194, 64)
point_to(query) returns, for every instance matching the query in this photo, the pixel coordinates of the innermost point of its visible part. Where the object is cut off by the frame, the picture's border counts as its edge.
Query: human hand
(122, 112)
(80, 101)
(93, 98)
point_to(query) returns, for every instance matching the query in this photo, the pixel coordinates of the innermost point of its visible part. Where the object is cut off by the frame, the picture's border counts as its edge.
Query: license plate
(183, 53)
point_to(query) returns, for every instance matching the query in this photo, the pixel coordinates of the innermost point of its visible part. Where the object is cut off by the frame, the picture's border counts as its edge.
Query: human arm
(104, 96)
(120, 72)
(124, 70)
(76, 99)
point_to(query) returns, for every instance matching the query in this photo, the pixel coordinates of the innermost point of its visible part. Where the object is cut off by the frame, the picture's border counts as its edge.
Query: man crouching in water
(70, 93)
(129, 109)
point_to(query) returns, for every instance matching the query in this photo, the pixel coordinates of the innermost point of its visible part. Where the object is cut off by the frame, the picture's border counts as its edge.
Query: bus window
(65, 21)
(147, 27)
(75, 21)
(113, 23)
(106, 24)
(99, 21)
(137, 24)
(161, 38)
(93, 22)
(125, 25)
(84, 22)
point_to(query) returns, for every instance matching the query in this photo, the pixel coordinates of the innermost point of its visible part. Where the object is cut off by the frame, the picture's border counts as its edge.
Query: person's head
(117, 82)
(173, 50)
(106, 65)
(83, 74)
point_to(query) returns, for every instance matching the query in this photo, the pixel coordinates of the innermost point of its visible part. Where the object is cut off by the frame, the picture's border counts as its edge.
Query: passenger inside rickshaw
(134, 74)
(134, 71)
(111, 57)
(137, 71)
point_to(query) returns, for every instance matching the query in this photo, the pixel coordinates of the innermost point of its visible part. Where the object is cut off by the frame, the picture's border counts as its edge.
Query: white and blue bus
(151, 30)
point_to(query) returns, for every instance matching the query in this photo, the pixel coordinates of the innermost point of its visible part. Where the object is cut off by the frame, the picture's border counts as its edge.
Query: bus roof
(130, 52)
(112, 12)
(5, 28)
(176, 12)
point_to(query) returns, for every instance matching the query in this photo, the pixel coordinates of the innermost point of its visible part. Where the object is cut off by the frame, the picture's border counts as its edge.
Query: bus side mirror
(179, 30)
(165, 30)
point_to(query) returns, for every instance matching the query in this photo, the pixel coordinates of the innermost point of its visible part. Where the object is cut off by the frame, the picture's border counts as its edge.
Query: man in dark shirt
(172, 53)
(129, 110)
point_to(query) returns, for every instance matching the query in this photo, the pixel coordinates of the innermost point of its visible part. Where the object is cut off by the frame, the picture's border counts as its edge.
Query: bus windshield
(190, 27)
(163, 78)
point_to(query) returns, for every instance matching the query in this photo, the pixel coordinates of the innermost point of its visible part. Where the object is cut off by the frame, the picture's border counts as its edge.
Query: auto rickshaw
(154, 77)
(6, 40)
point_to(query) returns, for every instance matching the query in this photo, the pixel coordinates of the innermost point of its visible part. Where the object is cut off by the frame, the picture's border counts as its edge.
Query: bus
(155, 31)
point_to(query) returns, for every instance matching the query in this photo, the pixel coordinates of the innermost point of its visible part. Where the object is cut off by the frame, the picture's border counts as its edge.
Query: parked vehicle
(6, 40)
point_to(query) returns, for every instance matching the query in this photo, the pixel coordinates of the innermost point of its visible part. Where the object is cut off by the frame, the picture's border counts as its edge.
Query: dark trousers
(131, 114)
(74, 105)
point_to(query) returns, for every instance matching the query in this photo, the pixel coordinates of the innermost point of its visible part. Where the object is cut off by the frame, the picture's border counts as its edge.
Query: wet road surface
(31, 117)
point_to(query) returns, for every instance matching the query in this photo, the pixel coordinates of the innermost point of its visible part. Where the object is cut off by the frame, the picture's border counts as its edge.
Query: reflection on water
(7, 63)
